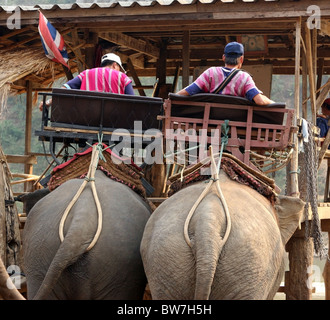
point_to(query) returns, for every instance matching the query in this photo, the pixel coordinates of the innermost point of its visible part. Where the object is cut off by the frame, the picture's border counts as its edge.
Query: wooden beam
(319, 78)
(130, 42)
(175, 12)
(185, 58)
(77, 51)
(67, 72)
(324, 147)
(135, 77)
(325, 89)
(26, 159)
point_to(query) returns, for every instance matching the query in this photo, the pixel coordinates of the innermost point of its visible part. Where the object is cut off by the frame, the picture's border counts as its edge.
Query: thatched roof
(17, 64)
(28, 64)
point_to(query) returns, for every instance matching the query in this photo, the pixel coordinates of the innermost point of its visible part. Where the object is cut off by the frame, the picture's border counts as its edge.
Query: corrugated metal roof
(113, 3)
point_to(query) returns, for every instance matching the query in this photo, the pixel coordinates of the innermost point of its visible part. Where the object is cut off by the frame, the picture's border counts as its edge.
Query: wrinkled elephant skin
(112, 269)
(248, 266)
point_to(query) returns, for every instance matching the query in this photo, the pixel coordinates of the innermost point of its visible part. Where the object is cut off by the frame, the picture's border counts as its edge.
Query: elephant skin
(30, 199)
(112, 269)
(249, 265)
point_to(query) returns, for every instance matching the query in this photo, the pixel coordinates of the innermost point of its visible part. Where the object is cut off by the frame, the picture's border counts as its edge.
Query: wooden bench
(77, 116)
(251, 127)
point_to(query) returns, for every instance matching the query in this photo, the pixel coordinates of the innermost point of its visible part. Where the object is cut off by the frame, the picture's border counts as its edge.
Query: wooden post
(67, 72)
(326, 271)
(185, 58)
(3, 236)
(10, 239)
(28, 168)
(77, 52)
(310, 67)
(91, 39)
(299, 249)
(300, 262)
(135, 77)
(161, 90)
(319, 79)
(294, 189)
(304, 86)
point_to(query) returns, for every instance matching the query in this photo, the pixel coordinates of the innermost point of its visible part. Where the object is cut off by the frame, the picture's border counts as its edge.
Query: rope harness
(90, 177)
(214, 179)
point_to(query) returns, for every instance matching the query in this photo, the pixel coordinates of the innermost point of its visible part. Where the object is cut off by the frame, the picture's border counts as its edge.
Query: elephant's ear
(289, 211)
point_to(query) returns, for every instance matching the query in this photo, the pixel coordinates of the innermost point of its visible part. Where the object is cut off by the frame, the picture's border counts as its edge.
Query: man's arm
(262, 100)
(129, 89)
(183, 92)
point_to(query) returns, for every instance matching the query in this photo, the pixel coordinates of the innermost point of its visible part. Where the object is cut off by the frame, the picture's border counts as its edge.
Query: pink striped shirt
(211, 79)
(104, 80)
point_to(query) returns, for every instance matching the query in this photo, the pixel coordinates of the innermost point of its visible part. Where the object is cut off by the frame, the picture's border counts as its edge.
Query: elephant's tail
(207, 256)
(68, 253)
(209, 245)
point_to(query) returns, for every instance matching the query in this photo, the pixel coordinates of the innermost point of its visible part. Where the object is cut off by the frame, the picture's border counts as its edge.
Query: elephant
(248, 265)
(31, 198)
(64, 270)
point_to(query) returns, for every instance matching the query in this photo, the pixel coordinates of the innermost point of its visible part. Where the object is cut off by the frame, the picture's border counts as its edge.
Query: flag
(52, 41)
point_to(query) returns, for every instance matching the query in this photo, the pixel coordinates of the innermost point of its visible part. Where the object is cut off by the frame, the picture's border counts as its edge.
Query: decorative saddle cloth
(125, 171)
(234, 168)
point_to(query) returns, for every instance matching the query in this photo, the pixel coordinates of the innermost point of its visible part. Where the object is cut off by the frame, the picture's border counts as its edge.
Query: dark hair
(107, 63)
(326, 104)
(231, 61)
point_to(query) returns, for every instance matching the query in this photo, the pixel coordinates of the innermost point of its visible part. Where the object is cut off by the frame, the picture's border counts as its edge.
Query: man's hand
(262, 100)
(48, 103)
(183, 92)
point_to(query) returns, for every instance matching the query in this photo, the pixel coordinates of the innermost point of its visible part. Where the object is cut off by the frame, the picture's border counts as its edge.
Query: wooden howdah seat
(79, 116)
(251, 127)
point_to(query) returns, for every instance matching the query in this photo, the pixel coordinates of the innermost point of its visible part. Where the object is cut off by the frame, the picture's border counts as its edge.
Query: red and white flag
(52, 41)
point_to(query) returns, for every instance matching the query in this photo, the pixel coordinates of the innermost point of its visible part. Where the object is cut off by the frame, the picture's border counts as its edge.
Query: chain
(310, 171)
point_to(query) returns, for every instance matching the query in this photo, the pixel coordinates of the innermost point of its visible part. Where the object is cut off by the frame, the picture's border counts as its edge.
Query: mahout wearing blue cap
(234, 49)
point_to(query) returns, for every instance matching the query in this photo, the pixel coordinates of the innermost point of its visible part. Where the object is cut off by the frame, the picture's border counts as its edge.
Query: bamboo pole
(28, 168)
(294, 189)
(310, 67)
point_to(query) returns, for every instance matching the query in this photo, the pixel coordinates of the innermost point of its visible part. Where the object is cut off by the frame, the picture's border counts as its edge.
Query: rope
(213, 179)
(309, 170)
(90, 177)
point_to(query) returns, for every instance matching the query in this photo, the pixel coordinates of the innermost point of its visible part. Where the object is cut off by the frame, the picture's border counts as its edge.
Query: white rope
(214, 178)
(89, 178)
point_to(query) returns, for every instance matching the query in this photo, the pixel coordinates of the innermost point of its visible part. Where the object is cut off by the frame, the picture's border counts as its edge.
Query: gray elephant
(248, 265)
(112, 269)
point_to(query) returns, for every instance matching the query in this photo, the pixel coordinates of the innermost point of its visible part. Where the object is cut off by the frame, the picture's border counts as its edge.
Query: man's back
(212, 78)
(103, 80)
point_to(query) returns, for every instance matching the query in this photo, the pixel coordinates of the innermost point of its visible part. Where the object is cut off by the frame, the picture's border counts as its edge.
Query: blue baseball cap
(234, 49)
